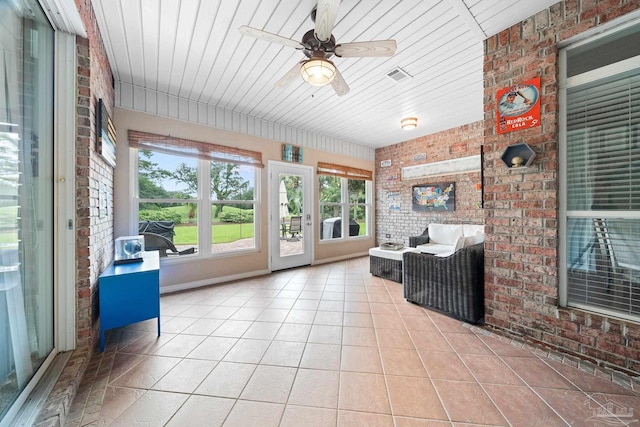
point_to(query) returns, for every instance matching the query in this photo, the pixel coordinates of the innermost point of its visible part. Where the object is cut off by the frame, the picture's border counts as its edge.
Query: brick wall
(521, 246)
(94, 234)
(390, 189)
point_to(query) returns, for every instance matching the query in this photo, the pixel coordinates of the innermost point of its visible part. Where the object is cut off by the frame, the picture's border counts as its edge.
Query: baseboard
(213, 281)
(340, 258)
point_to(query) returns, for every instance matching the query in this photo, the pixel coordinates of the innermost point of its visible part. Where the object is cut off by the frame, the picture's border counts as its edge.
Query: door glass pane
(292, 215)
(26, 196)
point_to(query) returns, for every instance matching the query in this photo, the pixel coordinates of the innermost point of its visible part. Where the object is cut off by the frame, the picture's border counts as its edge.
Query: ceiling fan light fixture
(409, 123)
(318, 71)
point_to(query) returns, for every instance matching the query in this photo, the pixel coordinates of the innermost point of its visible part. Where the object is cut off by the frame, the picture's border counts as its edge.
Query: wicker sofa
(452, 284)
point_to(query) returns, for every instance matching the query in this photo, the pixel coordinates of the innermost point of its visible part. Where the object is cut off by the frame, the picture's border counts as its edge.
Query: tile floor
(330, 346)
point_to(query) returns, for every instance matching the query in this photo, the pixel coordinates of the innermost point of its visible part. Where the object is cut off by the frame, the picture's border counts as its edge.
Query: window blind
(186, 147)
(603, 195)
(344, 171)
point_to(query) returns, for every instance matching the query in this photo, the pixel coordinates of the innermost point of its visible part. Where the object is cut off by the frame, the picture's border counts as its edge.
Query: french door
(290, 215)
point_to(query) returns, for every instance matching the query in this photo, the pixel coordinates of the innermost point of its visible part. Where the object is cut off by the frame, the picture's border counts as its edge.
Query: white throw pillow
(445, 234)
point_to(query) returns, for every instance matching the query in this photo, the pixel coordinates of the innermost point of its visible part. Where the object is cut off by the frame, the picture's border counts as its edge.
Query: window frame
(345, 206)
(204, 203)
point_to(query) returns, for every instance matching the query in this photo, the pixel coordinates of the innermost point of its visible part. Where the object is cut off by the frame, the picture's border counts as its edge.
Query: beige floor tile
(325, 334)
(116, 401)
(519, 403)
(274, 314)
(185, 376)
(444, 365)
(402, 362)
(466, 402)
(213, 348)
(301, 316)
(175, 325)
(358, 320)
(247, 413)
(466, 344)
(203, 326)
(154, 408)
(180, 346)
(329, 305)
(262, 330)
(353, 398)
(363, 419)
(360, 359)
(247, 351)
(365, 337)
(394, 338)
(293, 332)
(315, 388)
(418, 422)
(222, 313)
(387, 321)
(536, 373)
(321, 356)
(414, 397)
(283, 353)
(296, 416)
(269, 384)
(202, 411)
(247, 313)
(489, 369)
(226, 380)
(306, 304)
(232, 328)
(430, 340)
(146, 373)
(332, 318)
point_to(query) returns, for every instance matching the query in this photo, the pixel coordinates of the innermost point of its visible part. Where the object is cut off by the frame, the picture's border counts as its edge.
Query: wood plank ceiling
(192, 52)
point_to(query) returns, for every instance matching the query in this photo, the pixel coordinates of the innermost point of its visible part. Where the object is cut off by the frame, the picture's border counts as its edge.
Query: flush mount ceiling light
(317, 70)
(409, 123)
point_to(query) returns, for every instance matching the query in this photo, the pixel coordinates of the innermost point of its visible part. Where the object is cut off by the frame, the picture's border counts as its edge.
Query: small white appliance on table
(386, 261)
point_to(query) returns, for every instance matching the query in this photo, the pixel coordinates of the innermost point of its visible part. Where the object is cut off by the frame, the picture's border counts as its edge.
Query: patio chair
(156, 242)
(295, 227)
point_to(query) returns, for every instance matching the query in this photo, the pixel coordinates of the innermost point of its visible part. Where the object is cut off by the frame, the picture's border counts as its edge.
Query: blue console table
(129, 293)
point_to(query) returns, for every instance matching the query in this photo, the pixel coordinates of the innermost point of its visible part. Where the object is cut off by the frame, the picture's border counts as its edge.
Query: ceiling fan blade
(339, 85)
(270, 37)
(326, 13)
(289, 77)
(362, 49)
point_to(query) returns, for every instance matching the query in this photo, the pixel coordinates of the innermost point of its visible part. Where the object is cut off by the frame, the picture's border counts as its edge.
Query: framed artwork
(434, 197)
(106, 135)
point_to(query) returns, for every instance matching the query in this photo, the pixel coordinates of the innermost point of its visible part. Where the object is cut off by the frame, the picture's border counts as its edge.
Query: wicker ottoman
(387, 263)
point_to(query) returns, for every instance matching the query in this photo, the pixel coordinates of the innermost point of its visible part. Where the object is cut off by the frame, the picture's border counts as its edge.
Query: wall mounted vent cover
(398, 74)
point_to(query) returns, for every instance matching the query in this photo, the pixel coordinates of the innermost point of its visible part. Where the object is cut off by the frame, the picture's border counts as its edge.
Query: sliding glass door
(26, 196)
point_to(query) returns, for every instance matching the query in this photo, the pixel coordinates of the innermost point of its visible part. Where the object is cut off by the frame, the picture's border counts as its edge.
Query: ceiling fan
(318, 45)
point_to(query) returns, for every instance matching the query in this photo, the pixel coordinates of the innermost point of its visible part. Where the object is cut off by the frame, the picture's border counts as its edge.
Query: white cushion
(459, 245)
(444, 234)
(394, 255)
(472, 229)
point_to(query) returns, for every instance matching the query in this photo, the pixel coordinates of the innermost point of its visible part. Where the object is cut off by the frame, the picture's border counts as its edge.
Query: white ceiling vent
(398, 74)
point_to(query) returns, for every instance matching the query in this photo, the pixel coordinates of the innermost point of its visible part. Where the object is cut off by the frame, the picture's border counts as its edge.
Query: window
(345, 198)
(197, 195)
(600, 156)
(26, 202)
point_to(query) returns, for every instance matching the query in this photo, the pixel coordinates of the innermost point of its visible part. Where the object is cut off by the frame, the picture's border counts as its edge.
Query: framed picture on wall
(434, 197)
(106, 135)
